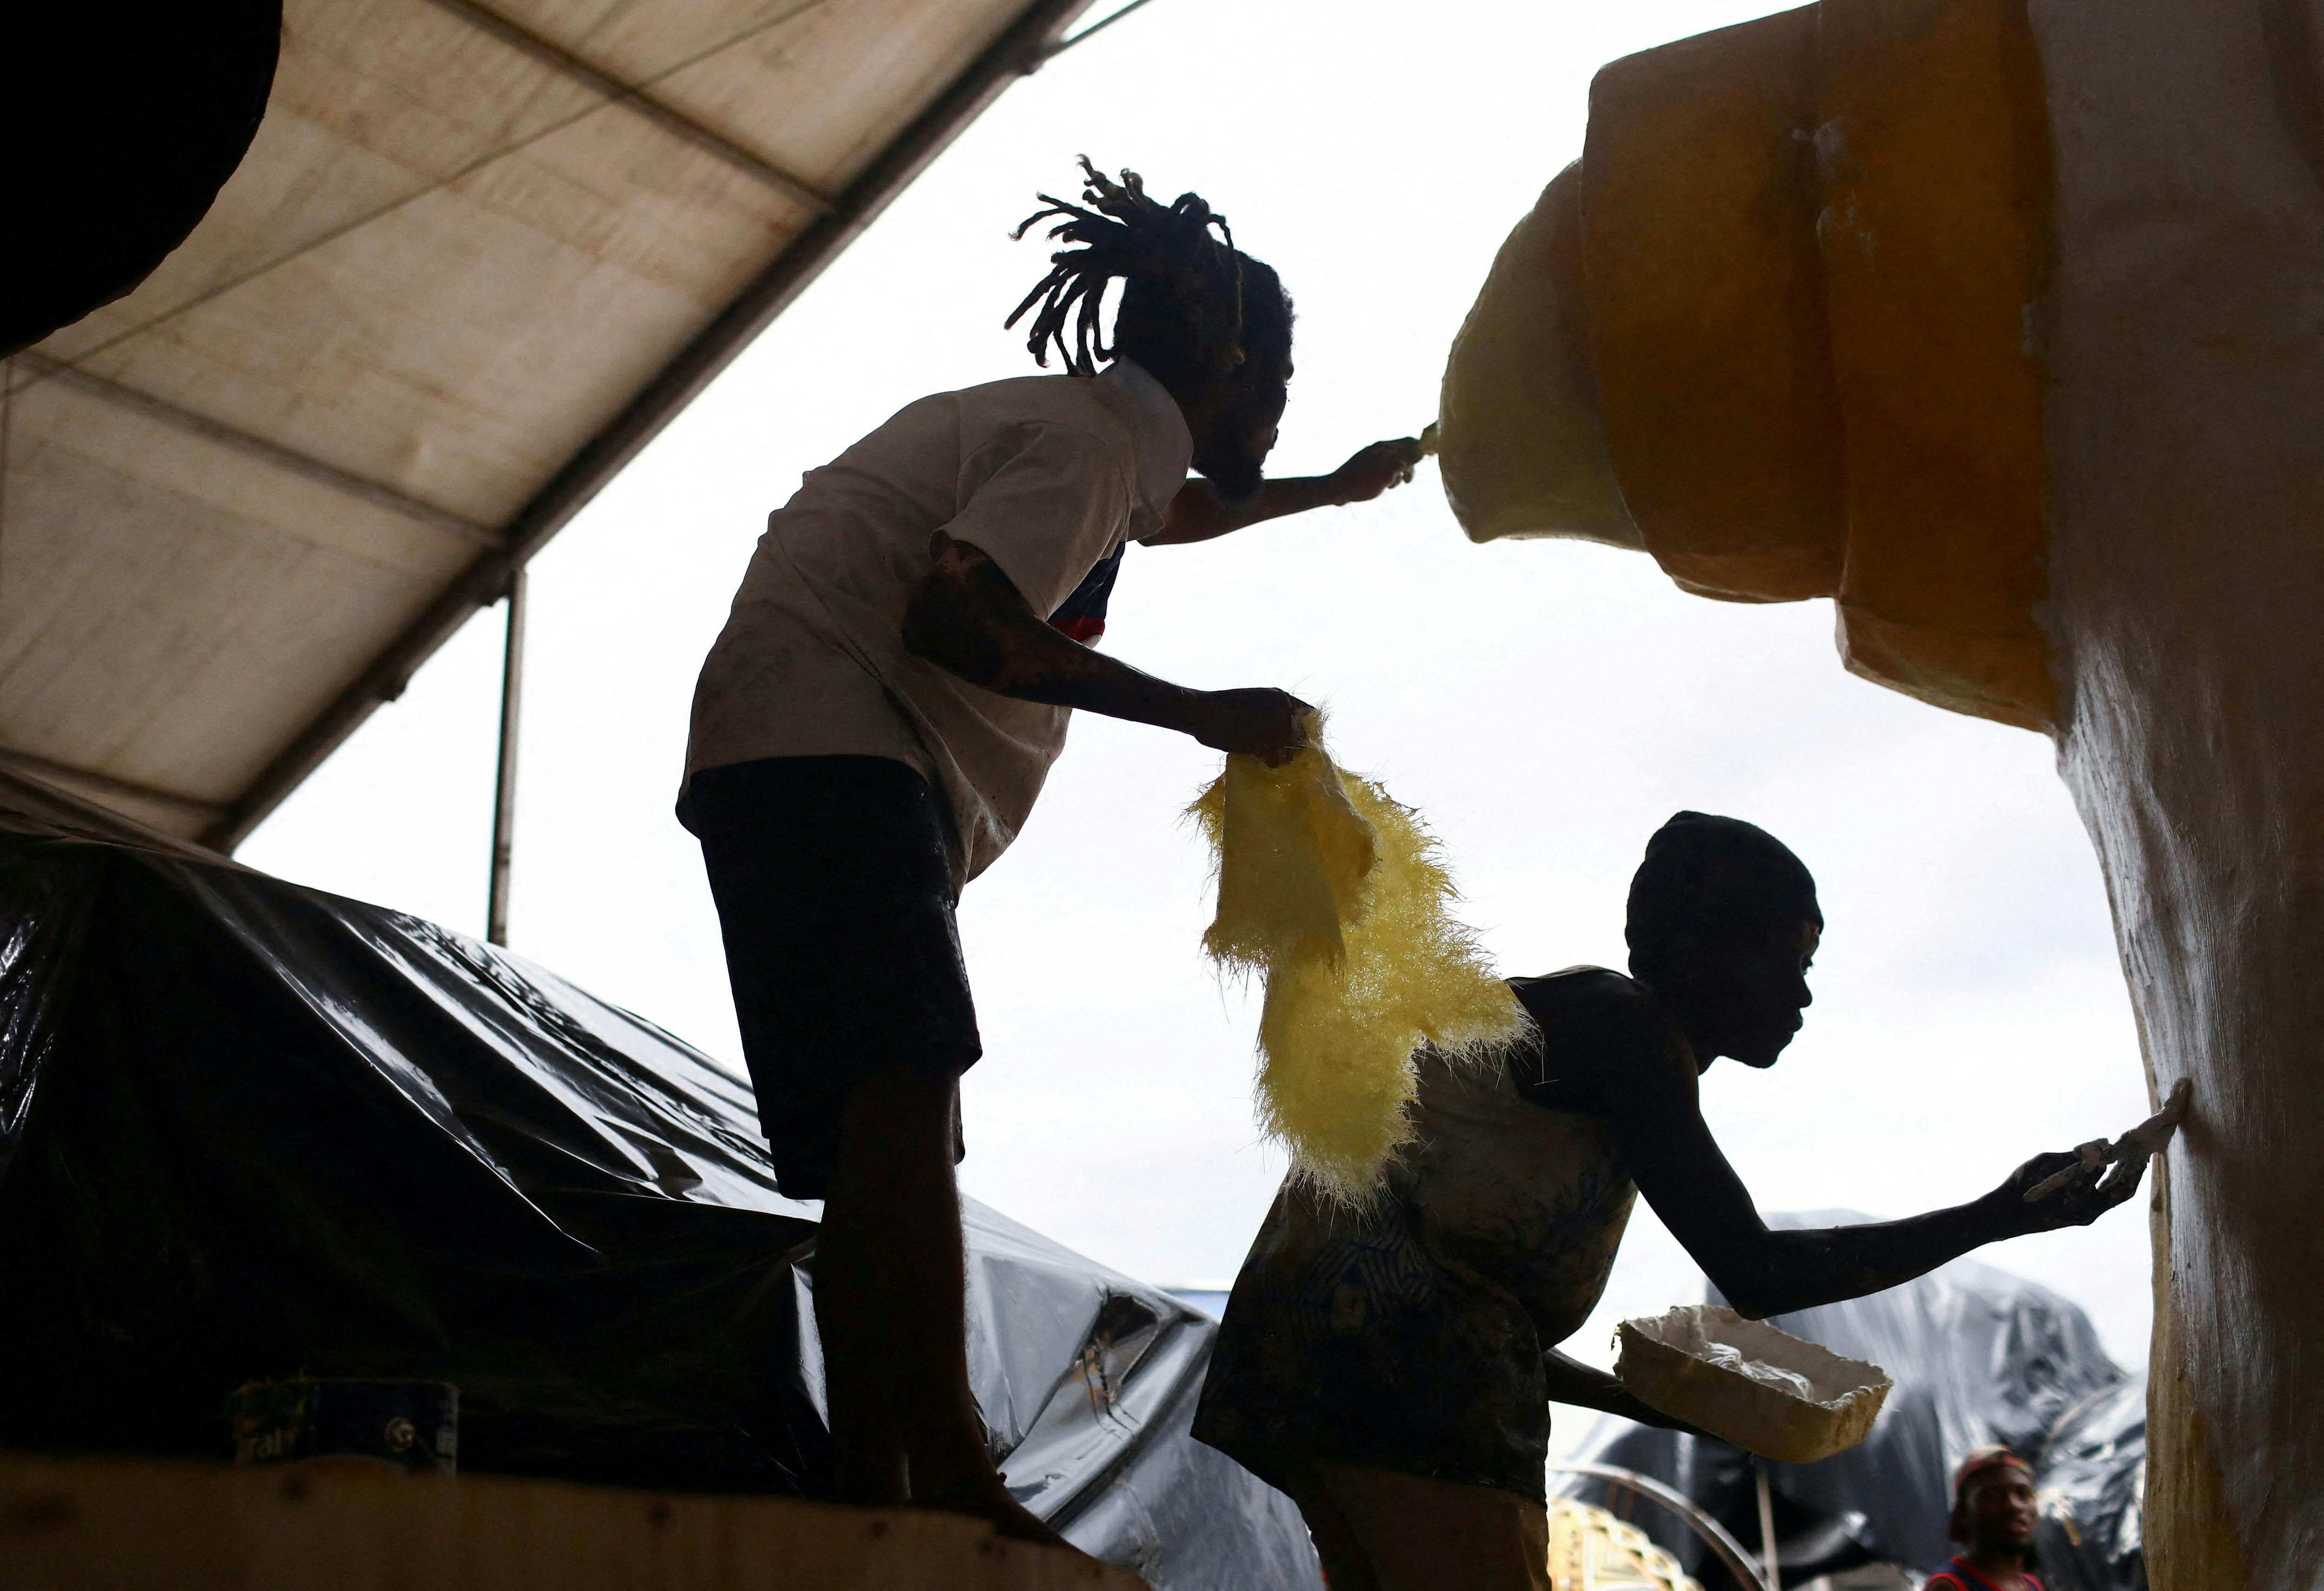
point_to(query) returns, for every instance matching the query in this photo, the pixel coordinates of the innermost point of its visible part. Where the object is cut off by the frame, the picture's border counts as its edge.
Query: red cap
(1980, 1460)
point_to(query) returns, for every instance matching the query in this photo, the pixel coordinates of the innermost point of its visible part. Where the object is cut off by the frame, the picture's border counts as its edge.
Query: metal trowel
(2131, 1151)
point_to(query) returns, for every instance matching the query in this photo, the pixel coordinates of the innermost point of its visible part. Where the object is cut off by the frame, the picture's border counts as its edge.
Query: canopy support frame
(496, 892)
(1019, 50)
(288, 459)
(670, 119)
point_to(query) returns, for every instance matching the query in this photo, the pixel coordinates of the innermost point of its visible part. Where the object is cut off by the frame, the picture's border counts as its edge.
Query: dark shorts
(834, 897)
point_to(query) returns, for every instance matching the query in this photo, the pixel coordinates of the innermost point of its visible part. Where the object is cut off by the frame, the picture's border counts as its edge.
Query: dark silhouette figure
(121, 119)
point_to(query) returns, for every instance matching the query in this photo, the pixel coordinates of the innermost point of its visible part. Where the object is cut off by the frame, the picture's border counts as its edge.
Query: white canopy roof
(478, 256)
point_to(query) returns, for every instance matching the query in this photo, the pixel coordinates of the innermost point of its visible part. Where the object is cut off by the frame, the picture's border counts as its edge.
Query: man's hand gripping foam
(1336, 896)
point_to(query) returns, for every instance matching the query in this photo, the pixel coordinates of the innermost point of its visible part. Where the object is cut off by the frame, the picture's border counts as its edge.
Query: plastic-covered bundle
(250, 1130)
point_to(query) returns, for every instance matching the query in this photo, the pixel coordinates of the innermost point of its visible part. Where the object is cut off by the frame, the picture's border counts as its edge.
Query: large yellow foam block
(1521, 371)
(1797, 330)
(1704, 310)
(1936, 243)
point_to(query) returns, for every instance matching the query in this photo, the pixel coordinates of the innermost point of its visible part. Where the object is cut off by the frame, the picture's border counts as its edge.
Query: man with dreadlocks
(873, 725)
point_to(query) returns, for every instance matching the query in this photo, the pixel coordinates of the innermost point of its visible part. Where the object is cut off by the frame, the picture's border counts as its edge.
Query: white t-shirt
(1045, 475)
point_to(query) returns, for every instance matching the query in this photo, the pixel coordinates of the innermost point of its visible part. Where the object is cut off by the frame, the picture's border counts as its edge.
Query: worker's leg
(1417, 1534)
(835, 898)
(888, 1250)
(890, 1301)
(1338, 1548)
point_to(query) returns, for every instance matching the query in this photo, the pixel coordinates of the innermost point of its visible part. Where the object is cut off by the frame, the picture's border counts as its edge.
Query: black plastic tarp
(251, 1131)
(1979, 1355)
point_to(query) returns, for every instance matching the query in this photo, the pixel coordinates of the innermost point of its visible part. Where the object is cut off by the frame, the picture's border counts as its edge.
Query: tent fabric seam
(1016, 50)
(378, 494)
(636, 99)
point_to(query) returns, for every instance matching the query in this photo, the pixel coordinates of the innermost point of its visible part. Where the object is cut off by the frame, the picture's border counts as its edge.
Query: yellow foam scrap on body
(1301, 866)
(1334, 894)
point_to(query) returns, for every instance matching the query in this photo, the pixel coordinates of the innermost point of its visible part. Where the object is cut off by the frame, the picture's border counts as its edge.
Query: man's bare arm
(967, 618)
(1197, 515)
(1679, 1167)
(1587, 1387)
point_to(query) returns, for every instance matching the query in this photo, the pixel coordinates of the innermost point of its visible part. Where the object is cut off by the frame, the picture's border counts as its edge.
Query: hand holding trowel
(2127, 1155)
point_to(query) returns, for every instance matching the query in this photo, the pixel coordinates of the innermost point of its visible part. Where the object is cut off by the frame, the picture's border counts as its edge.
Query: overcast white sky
(1545, 704)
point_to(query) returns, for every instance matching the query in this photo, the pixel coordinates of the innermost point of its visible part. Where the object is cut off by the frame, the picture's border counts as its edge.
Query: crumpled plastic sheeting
(1336, 895)
(2090, 1483)
(249, 1130)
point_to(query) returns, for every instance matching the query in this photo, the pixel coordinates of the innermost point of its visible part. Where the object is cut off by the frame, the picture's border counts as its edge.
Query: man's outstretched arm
(1197, 514)
(1680, 1169)
(967, 618)
(1585, 1386)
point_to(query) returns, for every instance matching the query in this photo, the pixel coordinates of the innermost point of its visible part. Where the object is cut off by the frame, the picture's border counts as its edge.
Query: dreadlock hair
(1192, 303)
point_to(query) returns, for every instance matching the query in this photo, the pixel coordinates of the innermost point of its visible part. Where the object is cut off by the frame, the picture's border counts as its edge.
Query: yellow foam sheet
(1336, 896)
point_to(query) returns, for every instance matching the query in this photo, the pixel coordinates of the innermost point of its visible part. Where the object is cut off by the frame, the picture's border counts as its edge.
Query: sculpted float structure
(1998, 323)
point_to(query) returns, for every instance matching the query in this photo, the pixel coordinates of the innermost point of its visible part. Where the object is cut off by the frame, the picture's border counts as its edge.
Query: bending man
(873, 725)
(1392, 1370)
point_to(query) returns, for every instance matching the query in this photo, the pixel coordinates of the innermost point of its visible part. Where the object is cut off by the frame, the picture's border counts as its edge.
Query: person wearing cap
(1993, 1516)
(1391, 1368)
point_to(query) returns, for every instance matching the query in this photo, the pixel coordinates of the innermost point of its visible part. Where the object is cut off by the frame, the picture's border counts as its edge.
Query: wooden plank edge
(79, 1523)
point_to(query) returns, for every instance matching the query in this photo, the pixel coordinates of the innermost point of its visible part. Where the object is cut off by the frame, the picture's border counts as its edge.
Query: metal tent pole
(496, 897)
(1770, 1570)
